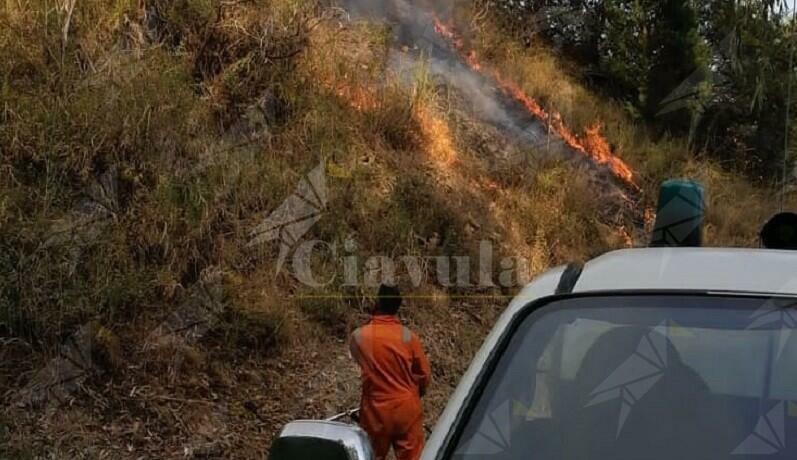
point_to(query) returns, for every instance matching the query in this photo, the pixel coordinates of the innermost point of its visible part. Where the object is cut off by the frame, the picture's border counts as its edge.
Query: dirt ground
(212, 405)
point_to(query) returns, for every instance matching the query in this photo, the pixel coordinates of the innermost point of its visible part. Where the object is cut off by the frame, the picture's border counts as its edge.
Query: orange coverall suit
(395, 373)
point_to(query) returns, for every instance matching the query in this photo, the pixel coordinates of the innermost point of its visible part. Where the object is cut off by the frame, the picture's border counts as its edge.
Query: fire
(597, 147)
(592, 144)
(447, 32)
(438, 137)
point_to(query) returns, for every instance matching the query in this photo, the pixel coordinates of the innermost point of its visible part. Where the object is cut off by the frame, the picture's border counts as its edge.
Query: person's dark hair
(388, 300)
(780, 232)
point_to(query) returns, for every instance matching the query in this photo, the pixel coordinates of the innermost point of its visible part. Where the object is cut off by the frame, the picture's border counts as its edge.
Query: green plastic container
(680, 216)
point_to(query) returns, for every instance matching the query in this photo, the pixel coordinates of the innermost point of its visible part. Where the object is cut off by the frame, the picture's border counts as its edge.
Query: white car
(661, 353)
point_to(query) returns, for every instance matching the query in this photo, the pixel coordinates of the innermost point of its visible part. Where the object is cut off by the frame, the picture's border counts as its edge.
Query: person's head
(780, 232)
(388, 300)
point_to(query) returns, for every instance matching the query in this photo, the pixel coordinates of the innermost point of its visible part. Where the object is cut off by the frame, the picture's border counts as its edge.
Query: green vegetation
(716, 70)
(141, 142)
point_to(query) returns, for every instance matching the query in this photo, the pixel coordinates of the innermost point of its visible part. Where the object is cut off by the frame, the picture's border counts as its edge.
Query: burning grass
(438, 140)
(140, 151)
(552, 83)
(591, 144)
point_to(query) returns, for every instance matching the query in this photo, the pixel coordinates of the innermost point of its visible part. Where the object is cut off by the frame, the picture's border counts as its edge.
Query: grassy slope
(209, 116)
(737, 208)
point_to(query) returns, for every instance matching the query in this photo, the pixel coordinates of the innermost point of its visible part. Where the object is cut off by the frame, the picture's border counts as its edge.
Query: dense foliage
(717, 69)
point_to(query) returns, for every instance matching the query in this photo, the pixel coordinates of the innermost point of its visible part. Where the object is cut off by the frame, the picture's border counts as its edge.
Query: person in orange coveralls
(395, 375)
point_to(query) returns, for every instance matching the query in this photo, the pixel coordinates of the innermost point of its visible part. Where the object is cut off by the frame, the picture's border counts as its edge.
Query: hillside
(151, 302)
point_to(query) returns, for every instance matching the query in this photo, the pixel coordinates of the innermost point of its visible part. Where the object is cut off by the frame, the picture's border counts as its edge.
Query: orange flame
(447, 32)
(592, 144)
(438, 137)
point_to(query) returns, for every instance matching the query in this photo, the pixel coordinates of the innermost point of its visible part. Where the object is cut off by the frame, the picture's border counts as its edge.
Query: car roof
(740, 271)
(701, 269)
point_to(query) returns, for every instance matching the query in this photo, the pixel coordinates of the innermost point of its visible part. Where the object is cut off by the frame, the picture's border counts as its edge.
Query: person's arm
(354, 348)
(420, 366)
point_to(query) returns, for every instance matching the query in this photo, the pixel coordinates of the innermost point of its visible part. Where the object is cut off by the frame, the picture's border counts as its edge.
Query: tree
(717, 69)
(652, 50)
(679, 65)
(746, 117)
(624, 48)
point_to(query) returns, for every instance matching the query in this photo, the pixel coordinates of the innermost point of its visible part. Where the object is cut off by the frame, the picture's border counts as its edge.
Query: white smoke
(417, 42)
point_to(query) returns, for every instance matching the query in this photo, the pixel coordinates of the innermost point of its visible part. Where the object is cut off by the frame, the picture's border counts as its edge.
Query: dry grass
(208, 129)
(207, 116)
(737, 207)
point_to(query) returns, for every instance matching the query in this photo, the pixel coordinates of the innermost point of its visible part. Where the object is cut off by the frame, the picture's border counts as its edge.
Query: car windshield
(641, 377)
